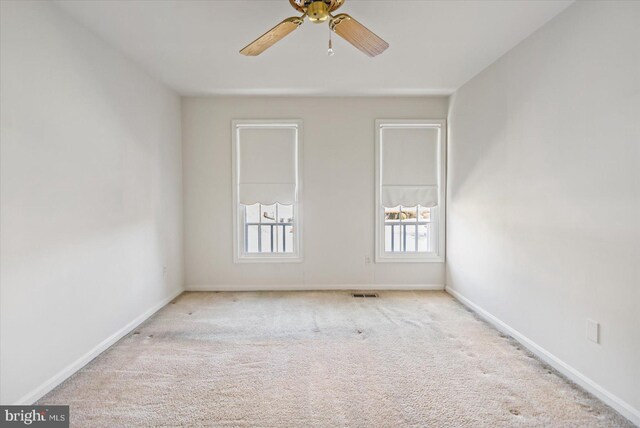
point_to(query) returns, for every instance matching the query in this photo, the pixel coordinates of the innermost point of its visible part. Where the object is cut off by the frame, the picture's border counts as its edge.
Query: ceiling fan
(319, 11)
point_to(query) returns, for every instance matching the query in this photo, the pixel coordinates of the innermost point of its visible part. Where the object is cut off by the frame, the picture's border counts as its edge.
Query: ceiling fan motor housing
(318, 11)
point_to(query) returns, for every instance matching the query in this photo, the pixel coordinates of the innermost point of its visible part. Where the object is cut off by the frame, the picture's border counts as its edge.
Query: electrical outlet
(593, 331)
(164, 271)
(367, 260)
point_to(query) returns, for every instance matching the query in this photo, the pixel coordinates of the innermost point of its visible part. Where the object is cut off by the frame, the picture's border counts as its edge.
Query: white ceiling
(192, 46)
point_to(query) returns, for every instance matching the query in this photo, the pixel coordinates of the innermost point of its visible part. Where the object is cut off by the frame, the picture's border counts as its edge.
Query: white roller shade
(267, 165)
(409, 166)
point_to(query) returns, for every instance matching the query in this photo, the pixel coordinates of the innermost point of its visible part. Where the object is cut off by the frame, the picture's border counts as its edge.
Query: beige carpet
(325, 359)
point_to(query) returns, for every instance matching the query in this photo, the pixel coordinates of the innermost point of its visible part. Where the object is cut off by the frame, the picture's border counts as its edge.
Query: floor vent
(364, 294)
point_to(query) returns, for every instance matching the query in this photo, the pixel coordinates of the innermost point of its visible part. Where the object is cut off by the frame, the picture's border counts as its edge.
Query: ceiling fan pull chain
(330, 51)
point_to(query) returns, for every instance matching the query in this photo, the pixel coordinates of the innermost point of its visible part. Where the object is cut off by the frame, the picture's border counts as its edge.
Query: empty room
(327, 213)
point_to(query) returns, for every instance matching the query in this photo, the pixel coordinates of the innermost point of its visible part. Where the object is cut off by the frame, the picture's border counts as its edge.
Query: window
(267, 190)
(410, 159)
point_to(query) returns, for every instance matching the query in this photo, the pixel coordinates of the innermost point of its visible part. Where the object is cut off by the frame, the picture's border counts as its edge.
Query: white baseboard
(65, 373)
(314, 287)
(574, 375)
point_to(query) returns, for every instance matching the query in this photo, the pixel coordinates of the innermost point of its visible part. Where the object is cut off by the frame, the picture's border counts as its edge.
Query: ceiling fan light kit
(319, 11)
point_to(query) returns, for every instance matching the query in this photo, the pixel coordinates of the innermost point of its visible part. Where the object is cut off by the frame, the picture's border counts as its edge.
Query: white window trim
(239, 256)
(439, 256)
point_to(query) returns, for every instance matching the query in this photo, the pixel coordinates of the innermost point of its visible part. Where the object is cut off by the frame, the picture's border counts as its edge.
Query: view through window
(268, 228)
(407, 229)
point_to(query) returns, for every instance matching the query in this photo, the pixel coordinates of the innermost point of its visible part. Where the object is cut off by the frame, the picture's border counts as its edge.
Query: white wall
(544, 192)
(338, 177)
(91, 196)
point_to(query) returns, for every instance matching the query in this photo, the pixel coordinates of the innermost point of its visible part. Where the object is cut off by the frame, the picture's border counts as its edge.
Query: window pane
(393, 230)
(408, 214)
(285, 239)
(285, 213)
(424, 238)
(265, 234)
(251, 240)
(288, 238)
(392, 214)
(268, 213)
(424, 213)
(252, 213)
(410, 236)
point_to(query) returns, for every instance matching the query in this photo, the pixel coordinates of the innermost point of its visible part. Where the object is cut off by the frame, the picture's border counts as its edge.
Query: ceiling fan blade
(358, 35)
(272, 36)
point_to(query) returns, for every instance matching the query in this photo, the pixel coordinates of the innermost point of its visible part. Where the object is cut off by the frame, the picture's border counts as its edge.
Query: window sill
(409, 259)
(267, 259)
